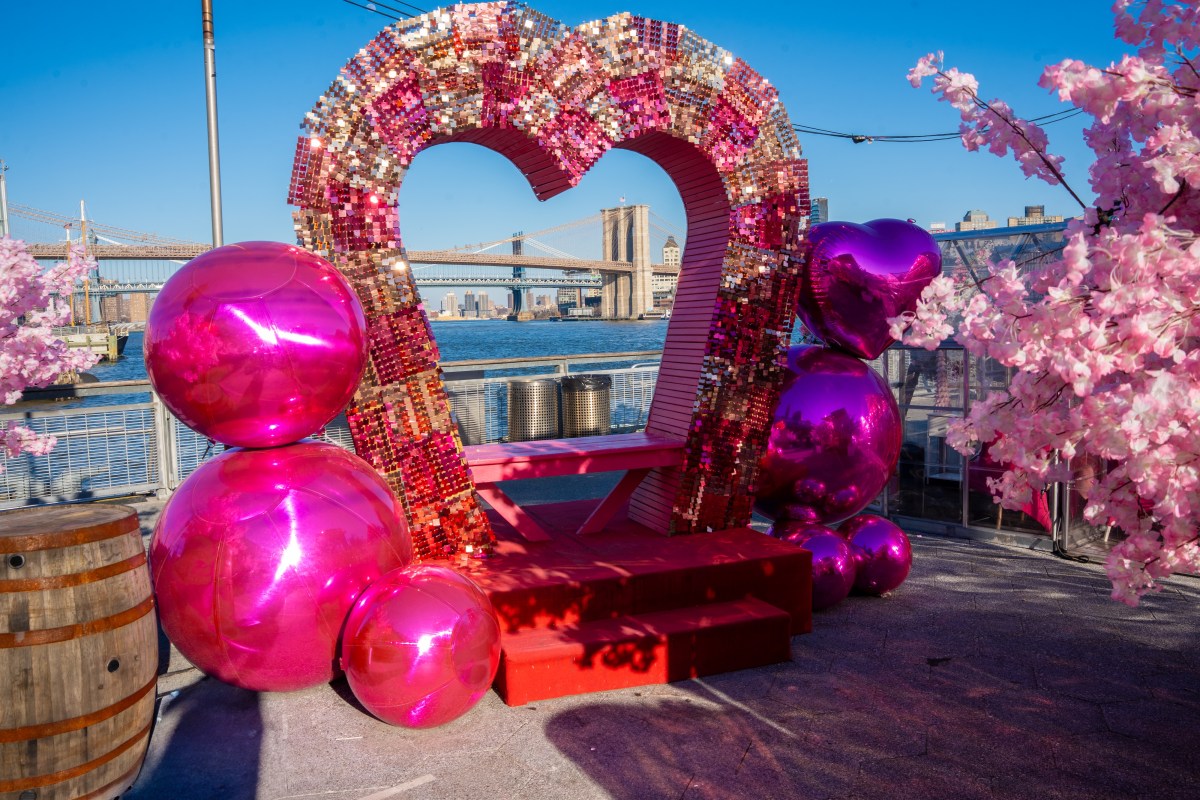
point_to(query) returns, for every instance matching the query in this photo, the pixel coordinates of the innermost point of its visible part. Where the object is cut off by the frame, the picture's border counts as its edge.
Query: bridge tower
(626, 232)
(518, 248)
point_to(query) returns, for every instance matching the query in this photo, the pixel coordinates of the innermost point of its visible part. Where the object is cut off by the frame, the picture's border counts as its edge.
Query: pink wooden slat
(543, 459)
(511, 512)
(613, 502)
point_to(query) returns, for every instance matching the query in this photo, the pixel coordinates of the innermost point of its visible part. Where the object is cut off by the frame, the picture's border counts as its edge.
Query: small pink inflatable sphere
(833, 561)
(256, 344)
(421, 646)
(882, 550)
(259, 555)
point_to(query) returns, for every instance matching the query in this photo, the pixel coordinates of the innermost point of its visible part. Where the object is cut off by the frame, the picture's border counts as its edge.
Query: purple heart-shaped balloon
(857, 276)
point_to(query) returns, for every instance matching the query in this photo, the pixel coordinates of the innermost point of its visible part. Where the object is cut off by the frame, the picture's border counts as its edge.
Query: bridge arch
(553, 99)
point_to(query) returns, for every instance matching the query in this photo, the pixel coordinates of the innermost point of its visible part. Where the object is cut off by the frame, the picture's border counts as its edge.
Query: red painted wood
(643, 650)
(613, 502)
(636, 452)
(628, 569)
(580, 456)
(512, 513)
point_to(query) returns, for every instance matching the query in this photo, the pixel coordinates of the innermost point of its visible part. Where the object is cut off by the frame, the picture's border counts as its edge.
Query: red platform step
(628, 607)
(654, 648)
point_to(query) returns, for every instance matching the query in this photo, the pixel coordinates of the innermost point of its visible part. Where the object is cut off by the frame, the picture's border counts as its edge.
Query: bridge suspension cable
(479, 247)
(665, 226)
(63, 221)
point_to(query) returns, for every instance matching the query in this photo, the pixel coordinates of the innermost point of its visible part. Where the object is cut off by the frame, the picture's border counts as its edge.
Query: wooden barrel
(78, 652)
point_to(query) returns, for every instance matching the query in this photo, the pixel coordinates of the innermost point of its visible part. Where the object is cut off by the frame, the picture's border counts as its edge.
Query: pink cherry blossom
(32, 303)
(1105, 338)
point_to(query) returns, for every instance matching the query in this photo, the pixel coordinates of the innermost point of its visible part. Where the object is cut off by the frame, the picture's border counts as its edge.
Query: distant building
(450, 305)
(672, 255)
(1034, 215)
(937, 227)
(976, 221)
(139, 306)
(568, 299)
(820, 211)
(470, 308)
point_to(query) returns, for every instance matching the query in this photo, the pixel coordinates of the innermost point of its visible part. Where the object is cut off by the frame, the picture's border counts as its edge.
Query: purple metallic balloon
(833, 562)
(421, 646)
(796, 530)
(856, 276)
(259, 555)
(256, 344)
(882, 550)
(835, 438)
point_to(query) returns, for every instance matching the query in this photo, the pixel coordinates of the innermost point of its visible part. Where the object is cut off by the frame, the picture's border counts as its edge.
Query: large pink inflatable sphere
(260, 554)
(835, 438)
(882, 550)
(256, 344)
(421, 646)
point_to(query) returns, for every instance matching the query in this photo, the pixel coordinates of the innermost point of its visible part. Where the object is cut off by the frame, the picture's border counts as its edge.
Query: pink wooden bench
(636, 452)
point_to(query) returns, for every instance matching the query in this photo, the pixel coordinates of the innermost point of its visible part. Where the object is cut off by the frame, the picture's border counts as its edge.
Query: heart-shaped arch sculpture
(554, 99)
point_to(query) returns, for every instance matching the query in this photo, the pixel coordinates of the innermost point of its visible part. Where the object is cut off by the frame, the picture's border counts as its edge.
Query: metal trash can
(586, 405)
(532, 409)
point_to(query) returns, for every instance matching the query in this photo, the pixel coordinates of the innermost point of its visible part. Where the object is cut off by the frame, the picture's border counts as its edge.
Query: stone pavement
(993, 672)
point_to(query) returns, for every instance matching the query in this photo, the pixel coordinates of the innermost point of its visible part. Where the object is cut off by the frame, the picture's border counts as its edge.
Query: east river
(485, 339)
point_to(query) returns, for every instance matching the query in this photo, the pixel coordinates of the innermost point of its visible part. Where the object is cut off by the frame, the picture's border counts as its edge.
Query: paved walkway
(993, 672)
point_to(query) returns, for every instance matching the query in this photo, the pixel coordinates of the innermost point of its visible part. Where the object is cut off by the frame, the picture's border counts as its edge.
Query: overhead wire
(859, 138)
(372, 8)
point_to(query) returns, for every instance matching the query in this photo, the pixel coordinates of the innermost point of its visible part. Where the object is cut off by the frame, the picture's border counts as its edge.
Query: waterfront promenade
(993, 672)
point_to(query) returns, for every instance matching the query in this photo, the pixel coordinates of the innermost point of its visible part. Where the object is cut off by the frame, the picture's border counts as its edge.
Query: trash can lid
(585, 382)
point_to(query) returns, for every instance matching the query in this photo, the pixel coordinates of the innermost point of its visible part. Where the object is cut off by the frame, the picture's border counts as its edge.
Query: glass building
(936, 489)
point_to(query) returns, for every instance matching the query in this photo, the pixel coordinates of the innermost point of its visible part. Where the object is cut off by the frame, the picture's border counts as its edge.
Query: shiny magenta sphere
(882, 550)
(421, 646)
(833, 561)
(256, 344)
(259, 555)
(834, 441)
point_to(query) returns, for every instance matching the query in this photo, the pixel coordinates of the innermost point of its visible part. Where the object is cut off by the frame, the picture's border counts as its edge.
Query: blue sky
(105, 102)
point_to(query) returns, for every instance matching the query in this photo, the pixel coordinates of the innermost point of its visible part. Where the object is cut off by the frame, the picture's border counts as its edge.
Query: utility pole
(210, 94)
(4, 231)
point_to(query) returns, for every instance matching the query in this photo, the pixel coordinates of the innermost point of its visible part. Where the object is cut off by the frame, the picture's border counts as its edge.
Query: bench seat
(638, 453)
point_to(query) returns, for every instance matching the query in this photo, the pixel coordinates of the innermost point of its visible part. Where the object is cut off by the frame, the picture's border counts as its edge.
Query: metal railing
(137, 446)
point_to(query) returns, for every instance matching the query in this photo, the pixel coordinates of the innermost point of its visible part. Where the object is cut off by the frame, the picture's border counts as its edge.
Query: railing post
(164, 430)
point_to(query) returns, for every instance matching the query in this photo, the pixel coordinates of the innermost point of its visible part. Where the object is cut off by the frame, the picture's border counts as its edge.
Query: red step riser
(642, 661)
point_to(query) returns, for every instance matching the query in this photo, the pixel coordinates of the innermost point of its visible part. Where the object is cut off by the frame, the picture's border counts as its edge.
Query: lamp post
(4, 231)
(210, 95)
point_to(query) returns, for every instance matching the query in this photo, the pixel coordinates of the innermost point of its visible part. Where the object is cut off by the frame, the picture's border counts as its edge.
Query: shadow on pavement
(211, 736)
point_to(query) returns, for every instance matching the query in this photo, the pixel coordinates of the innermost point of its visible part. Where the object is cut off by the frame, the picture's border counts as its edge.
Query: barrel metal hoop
(78, 630)
(45, 729)
(117, 787)
(37, 781)
(50, 541)
(74, 579)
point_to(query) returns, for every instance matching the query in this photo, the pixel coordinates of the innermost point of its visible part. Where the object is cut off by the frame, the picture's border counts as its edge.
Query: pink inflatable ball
(259, 554)
(834, 441)
(256, 344)
(833, 561)
(796, 531)
(421, 646)
(882, 550)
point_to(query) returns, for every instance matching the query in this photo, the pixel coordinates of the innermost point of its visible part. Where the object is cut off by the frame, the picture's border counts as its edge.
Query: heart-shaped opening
(469, 200)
